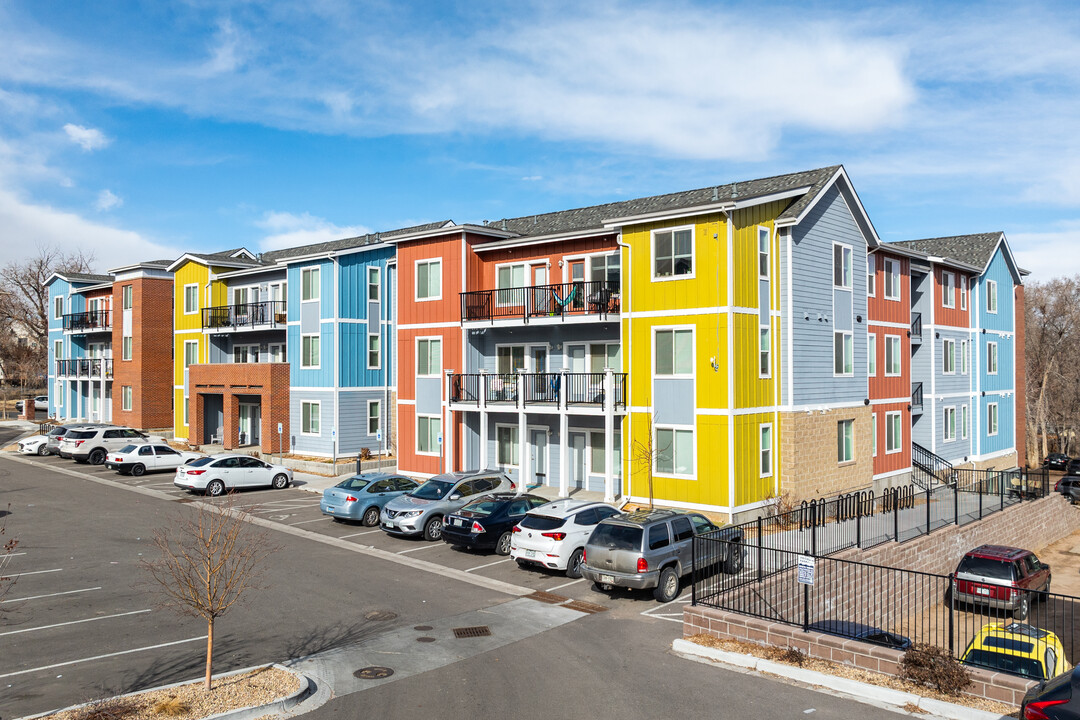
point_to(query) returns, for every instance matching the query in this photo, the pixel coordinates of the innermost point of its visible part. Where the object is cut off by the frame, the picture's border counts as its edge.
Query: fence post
(858, 525)
(1001, 490)
(760, 571)
(806, 608)
(896, 518)
(927, 511)
(952, 612)
(694, 563)
(956, 504)
(813, 529)
(981, 488)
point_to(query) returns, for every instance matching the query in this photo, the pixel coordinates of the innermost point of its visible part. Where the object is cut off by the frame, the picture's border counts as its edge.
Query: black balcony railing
(90, 321)
(268, 313)
(594, 297)
(551, 389)
(93, 368)
(916, 397)
(916, 325)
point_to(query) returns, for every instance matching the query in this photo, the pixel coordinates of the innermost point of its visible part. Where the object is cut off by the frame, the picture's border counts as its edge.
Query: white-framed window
(58, 349)
(310, 345)
(428, 357)
(245, 353)
(892, 279)
(675, 451)
(894, 358)
(598, 452)
(843, 353)
(127, 300)
(310, 417)
(992, 419)
(58, 307)
(963, 357)
(673, 253)
(605, 268)
(964, 421)
(126, 347)
(871, 275)
(871, 354)
(374, 284)
(58, 394)
(991, 358)
(948, 289)
(845, 441)
(191, 299)
(604, 355)
(948, 424)
(673, 352)
(429, 279)
(873, 430)
(841, 265)
(191, 352)
(506, 445)
(763, 252)
(374, 416)
(374, 346)
(948, 356)
(765, 449)
(427, 434)
(184, 412)
(991, 296)
(125, 397)
(963, 292)
(277, 353)
(310, 284)
(509, 359)
(764, 352)
(507, 278)
(894, 432)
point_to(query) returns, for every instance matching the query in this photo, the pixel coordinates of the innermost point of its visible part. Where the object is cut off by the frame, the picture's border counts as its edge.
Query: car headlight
(412, 513)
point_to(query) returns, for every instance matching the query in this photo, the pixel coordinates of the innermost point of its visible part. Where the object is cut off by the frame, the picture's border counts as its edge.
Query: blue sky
(143, 130)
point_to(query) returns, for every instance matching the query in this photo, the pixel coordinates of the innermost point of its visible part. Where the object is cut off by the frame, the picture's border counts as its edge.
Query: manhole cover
(468, 632)
(425, 639)
(422, 627)
(380, 615)
(375, 672)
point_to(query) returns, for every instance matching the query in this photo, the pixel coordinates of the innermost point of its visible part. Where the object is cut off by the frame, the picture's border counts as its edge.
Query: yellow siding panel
(750, 486)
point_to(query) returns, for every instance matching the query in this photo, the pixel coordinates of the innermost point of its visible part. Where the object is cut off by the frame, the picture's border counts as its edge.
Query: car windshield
(620, 537)
(199, 462)
(128, 448)
(542, 522)
(483, 506)
(1014, 664)
(986, 567)
(80, 434)
(354, 483)
(432, 490)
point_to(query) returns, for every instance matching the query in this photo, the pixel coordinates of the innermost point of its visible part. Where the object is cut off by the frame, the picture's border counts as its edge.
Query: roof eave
(520, 241)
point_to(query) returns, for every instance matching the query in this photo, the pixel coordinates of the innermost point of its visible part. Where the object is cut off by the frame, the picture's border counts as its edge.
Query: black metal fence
(586, 297)
(270, 313)
(90, 321)
(575, 389)
(85, 368)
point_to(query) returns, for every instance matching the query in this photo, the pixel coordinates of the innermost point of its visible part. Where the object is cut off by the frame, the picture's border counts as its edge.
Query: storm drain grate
(375, 672)
(549, 598)
(380, 615)
(469, 632)
(585, 607)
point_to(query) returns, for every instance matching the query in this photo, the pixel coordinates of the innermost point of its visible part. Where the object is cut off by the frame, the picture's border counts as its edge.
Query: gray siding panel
(428, 396)
(309, 317)
(353, 433)
(322, 442)
(842, 315)
(673, 400)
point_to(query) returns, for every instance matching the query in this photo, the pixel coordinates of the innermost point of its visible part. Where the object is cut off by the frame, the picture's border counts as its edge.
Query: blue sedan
(362, 497)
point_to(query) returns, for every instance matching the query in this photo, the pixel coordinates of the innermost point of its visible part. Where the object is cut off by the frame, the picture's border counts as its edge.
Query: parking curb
(850, 689)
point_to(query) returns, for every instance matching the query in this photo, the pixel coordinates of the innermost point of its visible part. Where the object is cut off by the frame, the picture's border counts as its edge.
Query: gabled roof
(236, 258)
(332, 246)
(976, 249)
(78, 278)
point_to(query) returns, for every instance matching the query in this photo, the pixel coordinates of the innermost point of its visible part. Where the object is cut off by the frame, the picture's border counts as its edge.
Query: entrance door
(538, 455)
(540, 300)
(577, 277)
(577, 459)
(249, 424)
(95, 402)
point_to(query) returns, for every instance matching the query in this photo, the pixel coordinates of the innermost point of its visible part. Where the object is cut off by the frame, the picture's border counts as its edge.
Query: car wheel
(433, 529)
(1020, 612)
(280, 481)
(96, 457)
(668, 587)
(503, 546)
(215, 488)
(733, 564)
(138, 469)
(573, 565)
(43, 449)
(371, 517)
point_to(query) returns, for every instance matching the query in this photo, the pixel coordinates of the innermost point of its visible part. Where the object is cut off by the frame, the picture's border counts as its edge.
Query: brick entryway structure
(266, 384)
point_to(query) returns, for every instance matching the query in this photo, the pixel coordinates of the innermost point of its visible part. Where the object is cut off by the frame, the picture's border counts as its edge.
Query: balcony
(916, 397)
(916, 327)
(88, 322)
(548, 391)
(542, 303)
(265, 315)
(86, 368)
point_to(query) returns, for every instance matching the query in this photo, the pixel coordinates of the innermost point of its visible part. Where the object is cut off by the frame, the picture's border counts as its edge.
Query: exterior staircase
(929, 470)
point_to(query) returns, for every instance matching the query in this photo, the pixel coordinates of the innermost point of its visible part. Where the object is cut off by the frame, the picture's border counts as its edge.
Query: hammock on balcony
(563, 302)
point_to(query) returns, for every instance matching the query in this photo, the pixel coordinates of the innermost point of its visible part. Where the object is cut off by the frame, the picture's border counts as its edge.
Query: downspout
(337, 361)
(627, 338)
(729, 216)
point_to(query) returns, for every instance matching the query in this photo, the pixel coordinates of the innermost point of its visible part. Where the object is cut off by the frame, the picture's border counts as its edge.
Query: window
(893, 356)
(991, 358)
(948, 289)
(845, 441)
(506, 445)
(310, 287)
(125, 397)
(58, 349)
(765, 449)
(964, 421)
(843, 354)
(428, 357)
(245, 353)
(58, 307)
(871, 279)
(659, 536)
(991, 296)
(191, 299)
(191, 352)
(674, 451)
(509, 359)
(674, 352)
(948, 424)
(873, 430)
(310, 415)
(764, 352)
(841, 266)
(763, 252)
(508, 277)
(992, 419)
(892, 279)
(597, 453)
(894, 432)
(948, 356)
(604, 355)
(58, 395)
(126, 348)
(309, 351)
(871, 354)
(277, 353)
(429, 279)
(673, 253)
(126, 301)
(963, 357)
(606, 268)
(373, 345)
(185, 410)
(374, 277)
(373, 416)
(427, 434)
(963, 292)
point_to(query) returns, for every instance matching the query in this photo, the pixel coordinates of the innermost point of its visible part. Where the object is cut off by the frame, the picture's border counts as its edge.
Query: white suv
(93, 444)
(554, 535)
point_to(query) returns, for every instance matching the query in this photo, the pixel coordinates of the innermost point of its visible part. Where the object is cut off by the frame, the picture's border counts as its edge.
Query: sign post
(442, 459)
(806, 578)
(333, 439)
(378, 439)
(280, 428)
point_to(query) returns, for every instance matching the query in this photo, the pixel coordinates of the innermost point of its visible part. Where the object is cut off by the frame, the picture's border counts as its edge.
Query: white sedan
(34, 445)
(140, 459)
(217, 473)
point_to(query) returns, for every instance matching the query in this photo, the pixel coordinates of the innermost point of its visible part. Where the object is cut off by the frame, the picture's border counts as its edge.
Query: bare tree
(26, 298)
(644, 455)
(1052, 330)
(206, 563)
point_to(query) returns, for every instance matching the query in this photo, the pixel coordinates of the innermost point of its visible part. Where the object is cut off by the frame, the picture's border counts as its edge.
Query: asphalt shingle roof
(347, 243)
(973, 249)
(87, 277)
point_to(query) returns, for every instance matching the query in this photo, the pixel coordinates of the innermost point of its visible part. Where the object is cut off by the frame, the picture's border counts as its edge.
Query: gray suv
(421, 511)
(652, 549)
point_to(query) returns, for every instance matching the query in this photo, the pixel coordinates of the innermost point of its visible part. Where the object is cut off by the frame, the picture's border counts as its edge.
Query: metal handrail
(266, 312)
(585, 297)
(85, 368)
(89, 320)
(916, 396)
(551, 388)
(916, 325)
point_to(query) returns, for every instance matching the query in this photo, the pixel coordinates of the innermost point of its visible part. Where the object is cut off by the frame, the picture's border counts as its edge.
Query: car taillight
(642, 565)
(79, 442)
(554, 535)
(477, 527)
(582, 556)
(1037, 710)
(517, 529)
(195, 472)
(350, 498)
(513, 485)
(1057, 486)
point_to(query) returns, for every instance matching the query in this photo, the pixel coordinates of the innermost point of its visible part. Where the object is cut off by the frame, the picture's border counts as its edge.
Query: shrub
(365, 454)
(934, 667)
(171, 706)
(106, 709)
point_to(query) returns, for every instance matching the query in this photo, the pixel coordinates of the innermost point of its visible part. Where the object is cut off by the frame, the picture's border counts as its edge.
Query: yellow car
(1018, 649)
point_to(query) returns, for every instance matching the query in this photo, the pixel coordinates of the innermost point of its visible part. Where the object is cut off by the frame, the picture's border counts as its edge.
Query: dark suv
(652, 549)
(1069, 486)
(1000, 577)
(1057, 461)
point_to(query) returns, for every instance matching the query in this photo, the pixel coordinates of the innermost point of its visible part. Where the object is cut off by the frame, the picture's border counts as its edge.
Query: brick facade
(269, 382)
(808, 452)
(149, 371)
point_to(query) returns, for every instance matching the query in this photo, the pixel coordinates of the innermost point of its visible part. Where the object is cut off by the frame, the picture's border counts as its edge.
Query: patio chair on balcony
(600, 301)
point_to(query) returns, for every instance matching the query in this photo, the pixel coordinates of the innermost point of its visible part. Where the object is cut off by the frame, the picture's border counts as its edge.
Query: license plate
(530, 553)
(388, 524)
(460, 522)
(607, 579)
(982, 591)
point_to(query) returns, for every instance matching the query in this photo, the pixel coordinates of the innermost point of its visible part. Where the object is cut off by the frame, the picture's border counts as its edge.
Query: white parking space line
(73, 622)
(560, 587)
(481, 567)
(38, 597)
(101, 657)
(37, 572)
(305, 522)
(366, 532)
(425, 547)
(277, 508)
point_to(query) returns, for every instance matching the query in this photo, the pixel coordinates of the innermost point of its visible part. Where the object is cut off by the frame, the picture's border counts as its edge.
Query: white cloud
(533, 178)
(1049, 254)
(290, 230)
(106, 200)
(86, 138)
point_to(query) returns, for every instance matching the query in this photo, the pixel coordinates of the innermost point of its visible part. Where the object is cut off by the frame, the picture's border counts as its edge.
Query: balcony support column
(523, 435)
(448, 426)
(482, 392)
(564, 440)
(609, 436)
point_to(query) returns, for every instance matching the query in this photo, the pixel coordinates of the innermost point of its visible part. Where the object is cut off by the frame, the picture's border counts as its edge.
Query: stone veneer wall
(808, 451)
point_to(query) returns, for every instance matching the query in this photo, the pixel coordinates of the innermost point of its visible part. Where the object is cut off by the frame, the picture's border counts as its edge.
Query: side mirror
(455, 496)
(1046, 567)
